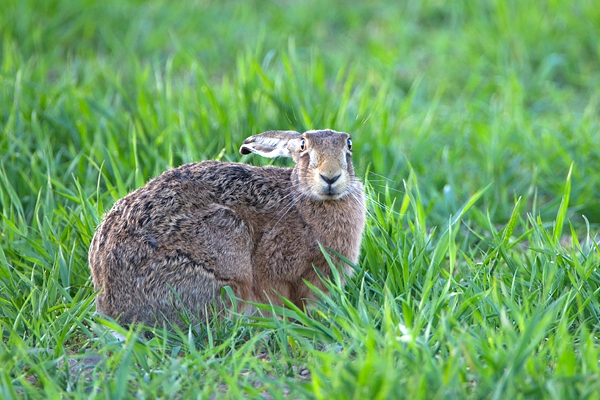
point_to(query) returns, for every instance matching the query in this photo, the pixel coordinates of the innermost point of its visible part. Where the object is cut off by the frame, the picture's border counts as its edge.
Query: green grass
(475, 124)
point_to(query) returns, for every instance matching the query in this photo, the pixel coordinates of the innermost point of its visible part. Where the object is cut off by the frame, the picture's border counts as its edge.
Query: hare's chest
(282, 251)
(341, 230)
(290, 244)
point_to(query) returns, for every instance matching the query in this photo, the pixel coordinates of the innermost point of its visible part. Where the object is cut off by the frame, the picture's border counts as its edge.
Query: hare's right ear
(271, 144)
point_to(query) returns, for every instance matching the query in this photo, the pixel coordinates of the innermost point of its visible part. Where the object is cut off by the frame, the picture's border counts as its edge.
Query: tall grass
(476, 128)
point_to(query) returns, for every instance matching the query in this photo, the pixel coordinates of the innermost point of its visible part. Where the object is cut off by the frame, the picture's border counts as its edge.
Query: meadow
(476, 129)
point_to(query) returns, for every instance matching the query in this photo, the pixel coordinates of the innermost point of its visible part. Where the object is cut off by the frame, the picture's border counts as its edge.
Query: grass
(476, 129)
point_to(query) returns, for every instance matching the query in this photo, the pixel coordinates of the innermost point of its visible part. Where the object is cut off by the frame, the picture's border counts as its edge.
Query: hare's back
(237, 185)
(170, 204)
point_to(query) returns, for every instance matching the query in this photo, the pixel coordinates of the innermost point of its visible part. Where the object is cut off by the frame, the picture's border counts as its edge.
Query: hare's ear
(271, 144)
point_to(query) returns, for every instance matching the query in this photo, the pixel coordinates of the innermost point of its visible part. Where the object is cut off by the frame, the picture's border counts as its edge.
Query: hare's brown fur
(197, 228)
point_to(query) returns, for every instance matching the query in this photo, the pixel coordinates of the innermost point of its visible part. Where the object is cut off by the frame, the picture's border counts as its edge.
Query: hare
(175, 242)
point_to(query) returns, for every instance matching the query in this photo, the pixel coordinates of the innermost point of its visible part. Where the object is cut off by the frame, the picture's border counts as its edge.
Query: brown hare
(175, 242)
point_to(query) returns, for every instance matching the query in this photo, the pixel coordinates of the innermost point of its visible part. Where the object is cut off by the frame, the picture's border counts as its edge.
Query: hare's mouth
(330, 192)
(333, 197)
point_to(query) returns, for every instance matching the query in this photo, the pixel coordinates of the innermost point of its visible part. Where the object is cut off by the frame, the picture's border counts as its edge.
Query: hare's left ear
(271, 144)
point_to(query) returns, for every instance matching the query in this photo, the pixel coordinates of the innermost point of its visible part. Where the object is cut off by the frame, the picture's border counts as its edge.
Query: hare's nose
(330, 181)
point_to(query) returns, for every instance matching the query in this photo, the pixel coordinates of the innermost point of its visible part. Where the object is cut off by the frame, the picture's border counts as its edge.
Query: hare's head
(323, 159)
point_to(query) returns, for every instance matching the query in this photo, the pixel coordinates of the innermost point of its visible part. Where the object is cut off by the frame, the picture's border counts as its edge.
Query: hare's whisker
(295, 201)
(291, 203)
(292, 192)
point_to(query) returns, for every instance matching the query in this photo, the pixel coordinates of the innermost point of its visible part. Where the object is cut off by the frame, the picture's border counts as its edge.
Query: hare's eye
(349, 144)
(303, 145)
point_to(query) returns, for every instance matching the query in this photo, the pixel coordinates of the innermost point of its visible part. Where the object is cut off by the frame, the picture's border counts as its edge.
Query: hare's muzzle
(331, 181)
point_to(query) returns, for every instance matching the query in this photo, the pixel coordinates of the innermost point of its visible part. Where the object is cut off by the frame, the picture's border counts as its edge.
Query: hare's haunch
(175, 242)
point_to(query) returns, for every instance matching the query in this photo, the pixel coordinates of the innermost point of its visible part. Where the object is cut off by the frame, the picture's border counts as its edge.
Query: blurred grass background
(443, 98)
(503, 92)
